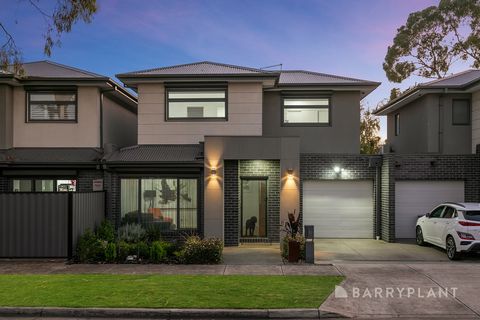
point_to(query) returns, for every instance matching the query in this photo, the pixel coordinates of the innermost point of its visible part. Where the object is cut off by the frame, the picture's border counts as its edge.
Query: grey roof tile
(458, 79)
(198, 68)
(308, 77)
(158, 153)
(50, 155)
(49, 69)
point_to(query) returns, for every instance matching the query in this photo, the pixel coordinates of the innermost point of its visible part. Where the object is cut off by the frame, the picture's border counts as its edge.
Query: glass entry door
(254, 207)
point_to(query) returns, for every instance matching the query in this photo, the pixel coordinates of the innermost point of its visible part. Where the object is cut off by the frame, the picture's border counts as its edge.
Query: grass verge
(165, 291)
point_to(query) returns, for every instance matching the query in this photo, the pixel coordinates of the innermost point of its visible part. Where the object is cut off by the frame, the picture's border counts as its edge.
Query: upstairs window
(397, 124)
(461, 112)
(197, 104)
(306, 111)
(52, 106)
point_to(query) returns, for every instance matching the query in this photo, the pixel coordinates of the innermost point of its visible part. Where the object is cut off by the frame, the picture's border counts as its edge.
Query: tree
(433, 39)
(61, 20)
(369, 127)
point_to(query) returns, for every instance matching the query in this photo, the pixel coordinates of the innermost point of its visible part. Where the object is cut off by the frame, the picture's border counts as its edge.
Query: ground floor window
(165, 203)
(254, 207)
(44, 185)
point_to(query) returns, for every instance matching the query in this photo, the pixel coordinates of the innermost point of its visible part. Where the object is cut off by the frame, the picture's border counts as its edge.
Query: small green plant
(106, 231)
(125, 249)
(153, 233)
(131, 233)
(201, 251)
(90, 248)
(298, 238)
(142, 250)
(158, 252)
(110, 252)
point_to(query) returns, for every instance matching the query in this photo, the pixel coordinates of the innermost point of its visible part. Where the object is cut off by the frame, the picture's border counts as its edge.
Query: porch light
(290, 173)
(337, 169)
(213, 171)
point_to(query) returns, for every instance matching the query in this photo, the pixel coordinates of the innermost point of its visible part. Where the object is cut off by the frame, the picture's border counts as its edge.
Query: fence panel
(88, 211)
(33, 225)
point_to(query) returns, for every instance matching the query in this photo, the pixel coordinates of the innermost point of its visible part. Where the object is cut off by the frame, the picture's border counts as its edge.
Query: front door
(254, 207)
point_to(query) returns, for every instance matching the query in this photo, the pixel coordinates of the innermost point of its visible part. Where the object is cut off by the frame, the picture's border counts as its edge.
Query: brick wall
(85, 179)
(231, 203)
(388, 199)
(3, 184)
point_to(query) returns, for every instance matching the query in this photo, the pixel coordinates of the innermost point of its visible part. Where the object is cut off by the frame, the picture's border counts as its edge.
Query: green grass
(165, 291)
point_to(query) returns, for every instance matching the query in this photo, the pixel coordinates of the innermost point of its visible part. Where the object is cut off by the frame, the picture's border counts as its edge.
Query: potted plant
(292, 238)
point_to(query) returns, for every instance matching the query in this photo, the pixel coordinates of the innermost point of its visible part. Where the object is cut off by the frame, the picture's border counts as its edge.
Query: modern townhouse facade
(431, 154)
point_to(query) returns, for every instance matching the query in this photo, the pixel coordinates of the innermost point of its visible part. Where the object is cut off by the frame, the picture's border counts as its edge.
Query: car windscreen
(472, 215)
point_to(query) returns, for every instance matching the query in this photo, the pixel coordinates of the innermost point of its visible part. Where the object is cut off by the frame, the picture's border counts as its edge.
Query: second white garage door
(415, 198)
(339, 209)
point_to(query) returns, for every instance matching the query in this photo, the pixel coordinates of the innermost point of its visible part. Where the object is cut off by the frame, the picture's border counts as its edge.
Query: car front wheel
(419, 237)
(452, 253)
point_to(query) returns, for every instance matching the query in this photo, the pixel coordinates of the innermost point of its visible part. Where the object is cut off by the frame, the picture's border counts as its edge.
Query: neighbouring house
(431, 152)
(228, 151)
(54, 123)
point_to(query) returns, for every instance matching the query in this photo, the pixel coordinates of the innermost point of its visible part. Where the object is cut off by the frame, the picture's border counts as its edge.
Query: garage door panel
(415, 198)
(339, 209)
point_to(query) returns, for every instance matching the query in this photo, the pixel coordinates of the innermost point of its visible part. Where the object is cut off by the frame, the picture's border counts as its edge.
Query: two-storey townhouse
(54, 123)
(229, 151)
(431, 152)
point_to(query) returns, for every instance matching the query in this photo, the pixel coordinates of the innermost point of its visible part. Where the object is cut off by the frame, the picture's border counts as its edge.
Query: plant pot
(293, 251)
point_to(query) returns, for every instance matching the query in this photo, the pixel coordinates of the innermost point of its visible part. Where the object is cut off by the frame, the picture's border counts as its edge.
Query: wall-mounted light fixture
(337, 169)
(213, 171)
(290, 173)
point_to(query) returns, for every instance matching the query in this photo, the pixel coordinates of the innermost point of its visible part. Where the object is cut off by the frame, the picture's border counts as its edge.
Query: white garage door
(415, 198)
(339, 209)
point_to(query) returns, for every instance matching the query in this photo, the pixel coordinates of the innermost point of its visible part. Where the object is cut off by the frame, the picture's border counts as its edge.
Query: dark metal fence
(39, 225)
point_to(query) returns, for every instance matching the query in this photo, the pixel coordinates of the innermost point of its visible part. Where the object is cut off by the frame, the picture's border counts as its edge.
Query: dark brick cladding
(233, 172)
(425, 167)
(231, 203)
(320, 167)
(3, 184)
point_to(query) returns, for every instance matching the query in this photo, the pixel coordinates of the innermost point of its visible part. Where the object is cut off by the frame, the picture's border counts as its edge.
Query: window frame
(396, 121)
(303, 97)
(28, 101)
(177, 178)
(33, 185)
(195, 89)
(469, 122)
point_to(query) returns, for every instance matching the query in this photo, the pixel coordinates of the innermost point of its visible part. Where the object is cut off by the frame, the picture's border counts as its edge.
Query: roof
(157, 153)
(303, 77)
(198, 68)
(50, 155)
(49, 69)
(458, 81)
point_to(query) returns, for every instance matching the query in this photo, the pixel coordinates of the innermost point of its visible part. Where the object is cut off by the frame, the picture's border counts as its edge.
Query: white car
(452, 226)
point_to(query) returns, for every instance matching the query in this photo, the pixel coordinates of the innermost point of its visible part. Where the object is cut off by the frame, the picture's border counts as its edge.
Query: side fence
(46, 225)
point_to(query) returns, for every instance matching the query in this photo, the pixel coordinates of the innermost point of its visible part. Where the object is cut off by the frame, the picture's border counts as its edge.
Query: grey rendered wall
(426, 127)
(33, 225)
(6, 117)
(413, 128)
(341, 137)
(119, 124)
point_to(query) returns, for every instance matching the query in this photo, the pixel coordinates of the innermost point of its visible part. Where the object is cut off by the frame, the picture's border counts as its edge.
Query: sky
(342, 37)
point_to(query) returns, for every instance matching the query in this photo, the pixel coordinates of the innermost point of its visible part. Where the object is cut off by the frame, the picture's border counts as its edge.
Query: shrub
(124, 250)
(110, 252)
(142, 250)
(201, 251)
(90, 248)
(106, 231)
(158, 251)
(131, 232)
(153, 233)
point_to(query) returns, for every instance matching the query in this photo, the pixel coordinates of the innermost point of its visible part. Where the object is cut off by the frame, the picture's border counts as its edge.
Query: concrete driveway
(418, 290)
(334, 250)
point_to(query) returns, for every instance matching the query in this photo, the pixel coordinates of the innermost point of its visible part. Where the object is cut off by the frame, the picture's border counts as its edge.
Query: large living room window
(306, 111)
(196, 104)
(52, 106)
(163, 203)
(44, 185)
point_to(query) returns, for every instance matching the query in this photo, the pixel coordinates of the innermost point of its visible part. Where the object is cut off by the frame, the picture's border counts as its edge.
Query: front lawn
(165, 291)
